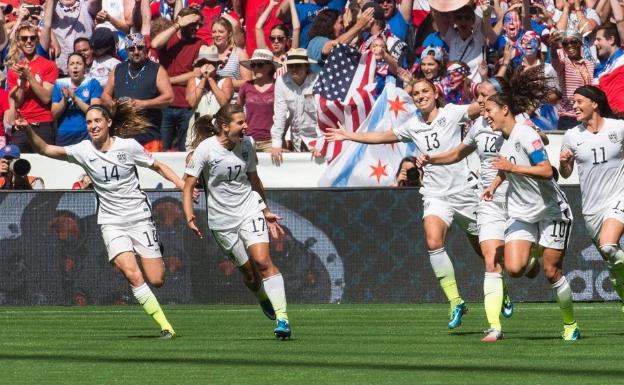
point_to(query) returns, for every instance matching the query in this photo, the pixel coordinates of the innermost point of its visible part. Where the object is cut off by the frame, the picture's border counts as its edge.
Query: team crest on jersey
(613, 137)
(517, 146)
(442, 122)
(121, 156)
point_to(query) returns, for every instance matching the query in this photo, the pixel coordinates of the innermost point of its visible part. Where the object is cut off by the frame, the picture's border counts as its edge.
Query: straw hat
(298, 56)
(207, 54)
(260, 55)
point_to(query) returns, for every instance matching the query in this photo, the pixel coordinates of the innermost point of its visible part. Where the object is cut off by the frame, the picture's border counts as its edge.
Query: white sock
(274, 287)
(142, 293)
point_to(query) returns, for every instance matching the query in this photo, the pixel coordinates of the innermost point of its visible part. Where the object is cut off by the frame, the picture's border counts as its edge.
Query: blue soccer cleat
(267, 309)
(507, 307)
(282, 330)
(456, 315)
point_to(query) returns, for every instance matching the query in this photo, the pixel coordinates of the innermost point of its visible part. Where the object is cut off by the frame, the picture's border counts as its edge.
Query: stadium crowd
(177, 60)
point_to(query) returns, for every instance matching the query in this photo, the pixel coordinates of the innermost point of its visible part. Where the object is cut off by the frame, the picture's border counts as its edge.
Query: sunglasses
(571, 43)
(32, 38)
(277, 39)
(258, 64)
(135, 47)
(296, 66)
(466, 17)
(385, 1)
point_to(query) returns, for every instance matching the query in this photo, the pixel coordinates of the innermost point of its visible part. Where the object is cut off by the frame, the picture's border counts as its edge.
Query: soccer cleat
(282, 330)
(571, 332)
(267, 309)
(167, 334)
(507, 308)
(492, 335)
(456, 315)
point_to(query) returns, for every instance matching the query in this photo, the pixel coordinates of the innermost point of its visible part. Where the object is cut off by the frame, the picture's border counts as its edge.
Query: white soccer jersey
(230, 197)
(530, 199)
(487, 143)
(115, 178)
(443, 134)
(600, 160)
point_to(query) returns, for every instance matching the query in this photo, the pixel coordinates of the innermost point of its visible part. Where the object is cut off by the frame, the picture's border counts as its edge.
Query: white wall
(297, 171)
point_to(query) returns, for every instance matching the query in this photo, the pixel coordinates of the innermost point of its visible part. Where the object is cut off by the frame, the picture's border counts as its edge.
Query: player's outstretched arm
(167, 173)
(38, 144)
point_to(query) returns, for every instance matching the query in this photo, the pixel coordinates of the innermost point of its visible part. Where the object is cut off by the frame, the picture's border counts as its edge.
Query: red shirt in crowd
(177, 58)
(4, 106)
(210, 14)
(33, 109)
(258, 110)
(253, 10)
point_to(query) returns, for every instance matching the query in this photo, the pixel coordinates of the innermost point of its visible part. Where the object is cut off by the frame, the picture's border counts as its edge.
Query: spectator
(609, 73)
(104, 46)
(82, 45)
(327, 32)
(398, 19)
(24, 16)
(116, 15)
(14, 172)
(70, 20)
(254, 9)
(307, 14)
(456, 87)
(83, 183)
(574, 16)
(408, 174)
(145, 85)
(166, 9)
(532, 56)
(156, 27)
(178, 47)
(229, 54)
(575, 71)
(30, 81)
(207, 92)
(432, 65)
(257, 97)
(294, 105)
(278, 36)
(213, 10)
(466, 40)
(4, 108)
(70, 99)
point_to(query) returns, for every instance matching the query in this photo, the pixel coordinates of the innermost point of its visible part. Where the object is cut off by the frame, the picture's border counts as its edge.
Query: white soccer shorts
(593, 223)
(140, 237)
(235, 242)
(492, 218)
(551, 233)
(460, 207)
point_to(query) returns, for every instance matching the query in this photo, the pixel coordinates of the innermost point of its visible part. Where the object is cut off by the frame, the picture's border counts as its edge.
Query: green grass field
(331, 344)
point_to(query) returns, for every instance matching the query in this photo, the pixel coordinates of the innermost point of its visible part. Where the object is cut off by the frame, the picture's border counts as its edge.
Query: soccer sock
(563, 293)
(443, 270)
(150, 304)
(493, 298)
(274, 287)
(261, 293)
(615, 264)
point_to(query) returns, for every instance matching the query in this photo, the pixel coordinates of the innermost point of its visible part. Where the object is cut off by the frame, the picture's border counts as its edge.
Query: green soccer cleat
(456, 315)
(267, 309)
(492, 335)
(571, 332)
(167, 334)
(282, 330)
(507, 308)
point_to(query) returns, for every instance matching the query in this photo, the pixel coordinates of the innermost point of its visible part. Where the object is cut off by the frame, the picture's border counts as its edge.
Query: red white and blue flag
(344, 92)
(361, 165)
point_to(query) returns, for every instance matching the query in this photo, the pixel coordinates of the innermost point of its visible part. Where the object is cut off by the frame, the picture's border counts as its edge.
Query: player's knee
(134, 277)
(609, 251)
(434, 243)
(157, 281)
(514, 270)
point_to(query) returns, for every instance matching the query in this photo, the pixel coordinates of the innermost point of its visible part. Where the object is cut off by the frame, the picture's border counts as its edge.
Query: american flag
(344, 92)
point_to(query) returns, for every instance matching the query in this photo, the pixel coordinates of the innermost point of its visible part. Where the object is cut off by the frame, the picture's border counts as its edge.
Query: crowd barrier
(297, 171)
(341, 245)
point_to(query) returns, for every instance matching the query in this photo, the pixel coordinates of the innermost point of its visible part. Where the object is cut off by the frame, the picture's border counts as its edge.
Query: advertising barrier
(350, 246)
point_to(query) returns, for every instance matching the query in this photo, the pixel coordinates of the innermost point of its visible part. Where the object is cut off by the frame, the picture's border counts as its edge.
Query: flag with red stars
(362, 165)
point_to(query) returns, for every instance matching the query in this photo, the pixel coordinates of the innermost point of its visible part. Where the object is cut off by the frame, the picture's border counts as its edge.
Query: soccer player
(538, 209)
(449, 191)
(596, 146)
(238, 216)
(124, 211)
(492, 215)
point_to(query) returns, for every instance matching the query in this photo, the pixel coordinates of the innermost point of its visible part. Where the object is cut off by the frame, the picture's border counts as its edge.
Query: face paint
(530, 44)
(511, 24)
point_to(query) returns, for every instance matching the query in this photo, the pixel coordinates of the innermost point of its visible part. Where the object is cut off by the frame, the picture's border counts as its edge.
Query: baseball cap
(10, 151)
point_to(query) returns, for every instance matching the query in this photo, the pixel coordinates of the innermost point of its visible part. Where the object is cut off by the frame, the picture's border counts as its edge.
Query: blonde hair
(225, 23)
(13, 57)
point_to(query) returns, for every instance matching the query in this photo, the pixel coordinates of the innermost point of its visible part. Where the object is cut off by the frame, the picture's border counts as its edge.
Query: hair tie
(496, 84)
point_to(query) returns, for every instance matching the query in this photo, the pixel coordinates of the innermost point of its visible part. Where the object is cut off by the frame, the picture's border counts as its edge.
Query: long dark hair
(209, 125)
(126, 120)
(526, 90)
(323, 24)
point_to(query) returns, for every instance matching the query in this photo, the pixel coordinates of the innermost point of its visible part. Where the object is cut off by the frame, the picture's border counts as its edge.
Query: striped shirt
(576, 74)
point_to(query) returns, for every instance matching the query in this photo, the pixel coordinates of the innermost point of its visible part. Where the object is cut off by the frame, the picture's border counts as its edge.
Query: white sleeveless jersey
(487, 143)
(230, 197)
(530, 199)
(600, 160)
(443, 134)
(115, 179)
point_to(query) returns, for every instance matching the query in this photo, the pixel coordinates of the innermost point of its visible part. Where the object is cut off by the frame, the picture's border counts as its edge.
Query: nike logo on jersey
(92, 160)
(579, 143)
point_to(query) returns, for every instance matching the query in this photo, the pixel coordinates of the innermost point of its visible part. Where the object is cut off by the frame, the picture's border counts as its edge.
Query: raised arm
(406, 10)
(364, 19)
(296, 25)
(46, 32)
(334, 134)
(260, 41)
(38, 144)
(618, 15)
(486, 23)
